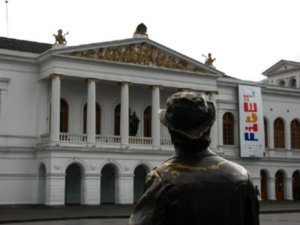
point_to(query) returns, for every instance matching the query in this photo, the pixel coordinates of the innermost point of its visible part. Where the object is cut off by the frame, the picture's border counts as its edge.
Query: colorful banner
(252, 137)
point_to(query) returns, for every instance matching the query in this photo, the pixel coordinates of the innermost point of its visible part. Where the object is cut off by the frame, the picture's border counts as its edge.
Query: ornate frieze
(140, 53)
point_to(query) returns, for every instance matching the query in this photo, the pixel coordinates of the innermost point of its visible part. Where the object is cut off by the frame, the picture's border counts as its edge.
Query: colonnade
(91, 102)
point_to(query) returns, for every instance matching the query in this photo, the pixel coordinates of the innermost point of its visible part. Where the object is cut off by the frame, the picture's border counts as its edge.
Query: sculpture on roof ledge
(209, 60)
(60, 37)
(141, 31)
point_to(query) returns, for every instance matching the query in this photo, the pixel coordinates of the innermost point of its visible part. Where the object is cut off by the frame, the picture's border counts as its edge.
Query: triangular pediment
(281, 67)
(141, 52)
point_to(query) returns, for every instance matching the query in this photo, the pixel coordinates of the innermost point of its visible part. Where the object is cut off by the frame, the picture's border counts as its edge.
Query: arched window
(279, 133)
(147, 121)
(64, 116)
(281, 83)
(98, 118)
(117, 119)
(266, 133)
(228, 129)
(293, 83)
(295, 134)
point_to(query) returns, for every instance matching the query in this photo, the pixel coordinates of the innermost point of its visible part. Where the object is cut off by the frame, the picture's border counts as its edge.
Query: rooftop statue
(195, 186)
(209, 60)
(141, 29)
(60, 37)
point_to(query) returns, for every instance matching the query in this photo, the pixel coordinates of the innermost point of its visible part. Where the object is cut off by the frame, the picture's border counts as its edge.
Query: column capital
(157, 86)
(88, 80)
(54, 75)
(125, 82)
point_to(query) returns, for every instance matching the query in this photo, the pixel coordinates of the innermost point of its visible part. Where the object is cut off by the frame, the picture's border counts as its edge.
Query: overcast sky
(245, 36)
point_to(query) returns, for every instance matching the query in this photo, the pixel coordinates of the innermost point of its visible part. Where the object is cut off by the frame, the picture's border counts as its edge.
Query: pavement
(18, 214)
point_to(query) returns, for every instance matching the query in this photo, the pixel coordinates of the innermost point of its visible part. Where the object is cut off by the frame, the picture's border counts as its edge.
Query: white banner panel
(252, 137)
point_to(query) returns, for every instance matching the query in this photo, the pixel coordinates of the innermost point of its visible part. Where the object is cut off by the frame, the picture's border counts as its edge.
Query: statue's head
(189, 114)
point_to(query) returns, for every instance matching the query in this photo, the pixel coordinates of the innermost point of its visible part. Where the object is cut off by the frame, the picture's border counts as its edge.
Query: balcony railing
(140, 141)
(81, 139)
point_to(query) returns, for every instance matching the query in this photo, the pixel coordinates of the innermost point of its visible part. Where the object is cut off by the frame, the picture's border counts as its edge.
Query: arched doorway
(108, 186)
(73, 185)
(279, 185)
(264, 185)
(296, 185)
(140, 174)
(42, 185)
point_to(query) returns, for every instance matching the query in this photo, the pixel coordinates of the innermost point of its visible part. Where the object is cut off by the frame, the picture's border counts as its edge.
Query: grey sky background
(245, 36)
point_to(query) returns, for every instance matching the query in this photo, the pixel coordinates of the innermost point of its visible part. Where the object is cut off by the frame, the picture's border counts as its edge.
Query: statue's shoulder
(236, 171)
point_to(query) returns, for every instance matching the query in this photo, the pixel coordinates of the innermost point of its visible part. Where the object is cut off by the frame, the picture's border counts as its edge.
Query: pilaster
(91, 193)
(55, 189)
(125, 189)
(289, 189)
(271, 189)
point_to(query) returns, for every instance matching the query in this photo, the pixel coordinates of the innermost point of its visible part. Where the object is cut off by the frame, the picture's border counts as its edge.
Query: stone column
(55, 189)
(91, 112)
(124, 189)
(214, 129)
(154, 120)
(124, 113)
(55, 108)
(92, 189)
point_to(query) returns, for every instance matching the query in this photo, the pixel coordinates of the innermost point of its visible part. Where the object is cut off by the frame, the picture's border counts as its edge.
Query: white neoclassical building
(66, 135)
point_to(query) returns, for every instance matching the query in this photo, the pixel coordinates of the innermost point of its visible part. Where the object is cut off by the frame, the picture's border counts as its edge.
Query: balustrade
(72, 138)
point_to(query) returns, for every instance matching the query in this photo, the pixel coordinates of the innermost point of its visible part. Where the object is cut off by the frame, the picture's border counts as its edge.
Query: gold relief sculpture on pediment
(141, 53)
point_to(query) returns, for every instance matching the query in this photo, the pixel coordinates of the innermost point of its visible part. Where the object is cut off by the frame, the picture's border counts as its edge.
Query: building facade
(78, 124)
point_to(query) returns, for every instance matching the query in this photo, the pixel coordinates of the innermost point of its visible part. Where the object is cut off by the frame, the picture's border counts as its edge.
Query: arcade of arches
(108, 180)
(279, 185)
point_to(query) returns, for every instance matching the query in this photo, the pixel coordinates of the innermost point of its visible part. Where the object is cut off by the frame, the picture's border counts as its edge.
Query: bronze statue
(141, 29)
(195, 186)
(133, 124)
(209, 60)
(60, 37)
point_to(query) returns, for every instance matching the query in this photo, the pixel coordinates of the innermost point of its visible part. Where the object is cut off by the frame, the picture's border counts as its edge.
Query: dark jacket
(202, 189)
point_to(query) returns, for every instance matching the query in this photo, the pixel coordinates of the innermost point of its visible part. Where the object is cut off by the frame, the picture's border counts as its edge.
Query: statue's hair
(187, 144)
